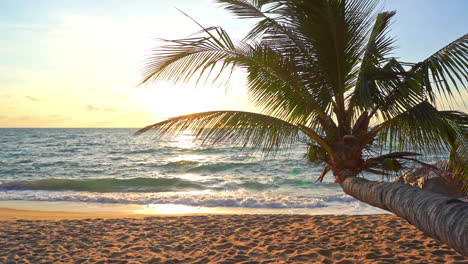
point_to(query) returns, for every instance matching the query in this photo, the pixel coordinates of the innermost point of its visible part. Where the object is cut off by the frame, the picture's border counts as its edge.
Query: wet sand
(106, 238)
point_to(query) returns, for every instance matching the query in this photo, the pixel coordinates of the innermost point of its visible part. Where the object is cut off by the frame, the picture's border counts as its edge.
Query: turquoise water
(114, 166)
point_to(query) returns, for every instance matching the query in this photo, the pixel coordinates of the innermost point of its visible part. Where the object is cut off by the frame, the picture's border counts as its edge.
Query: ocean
(113, 166)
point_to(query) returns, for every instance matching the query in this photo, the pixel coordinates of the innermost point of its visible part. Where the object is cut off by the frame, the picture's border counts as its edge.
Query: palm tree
(323, 70)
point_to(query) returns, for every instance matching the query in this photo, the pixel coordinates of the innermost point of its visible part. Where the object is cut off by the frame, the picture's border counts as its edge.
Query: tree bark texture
(438, 216)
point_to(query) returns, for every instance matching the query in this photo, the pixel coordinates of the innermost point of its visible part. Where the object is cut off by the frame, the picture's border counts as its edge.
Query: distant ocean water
(114, 166)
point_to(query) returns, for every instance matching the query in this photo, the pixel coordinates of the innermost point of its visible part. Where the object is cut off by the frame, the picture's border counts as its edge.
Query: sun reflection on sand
(179, 209)
(168, 209)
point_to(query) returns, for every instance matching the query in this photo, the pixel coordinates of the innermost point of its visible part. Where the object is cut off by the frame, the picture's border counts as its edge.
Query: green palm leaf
(246, 8)
(422, 128)
(446, 69)
(250, 129)
(426, 130)
(274, 80)
(458, 159)
(367, 92)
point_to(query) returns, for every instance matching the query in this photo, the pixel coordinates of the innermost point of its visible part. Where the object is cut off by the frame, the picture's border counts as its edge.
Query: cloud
(34, 99)
(91, 108)
(25, 117)
(109, 109)
(101, 108)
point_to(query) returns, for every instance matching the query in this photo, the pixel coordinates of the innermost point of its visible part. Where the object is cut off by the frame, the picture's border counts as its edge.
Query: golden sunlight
(170, 209)
(171, 102)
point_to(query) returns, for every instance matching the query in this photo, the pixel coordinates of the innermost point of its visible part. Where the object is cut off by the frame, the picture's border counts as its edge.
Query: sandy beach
(44, 237)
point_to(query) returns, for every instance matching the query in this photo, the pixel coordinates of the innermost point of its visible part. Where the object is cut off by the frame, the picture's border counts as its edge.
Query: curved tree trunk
(440, 217)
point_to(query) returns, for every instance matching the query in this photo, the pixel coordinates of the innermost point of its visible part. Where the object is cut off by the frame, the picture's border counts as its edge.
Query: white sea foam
(211, 199)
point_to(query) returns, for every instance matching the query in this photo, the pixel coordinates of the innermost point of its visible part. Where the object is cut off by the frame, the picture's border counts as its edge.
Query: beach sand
(91, 238)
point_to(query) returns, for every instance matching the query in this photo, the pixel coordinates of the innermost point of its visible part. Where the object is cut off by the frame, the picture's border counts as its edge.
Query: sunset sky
(77, 63)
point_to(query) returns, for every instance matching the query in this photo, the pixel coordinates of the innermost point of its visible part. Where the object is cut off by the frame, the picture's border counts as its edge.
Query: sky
(78, 63)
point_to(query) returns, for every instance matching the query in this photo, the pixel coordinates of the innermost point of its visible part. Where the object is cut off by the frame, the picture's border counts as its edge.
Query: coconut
(315, 153)
(391, 165)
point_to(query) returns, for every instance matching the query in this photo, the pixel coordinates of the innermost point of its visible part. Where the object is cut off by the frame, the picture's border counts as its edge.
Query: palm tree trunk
(440, 217)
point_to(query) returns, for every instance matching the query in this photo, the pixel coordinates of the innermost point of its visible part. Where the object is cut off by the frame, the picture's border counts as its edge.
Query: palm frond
(458, 158)
(286, 47)
(335, 34)
(421, 128)
(446, 70)
(274, 80)
(246, 8)
(256, 131)
(388, 92)
(367, 93)
(275, 85)
(182, 59)
(396, 89)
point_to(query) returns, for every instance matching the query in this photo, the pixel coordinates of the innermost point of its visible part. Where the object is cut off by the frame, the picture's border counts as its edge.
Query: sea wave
(180, 164)
(200, 199)
(222, 166)
(132, 185)
(105, 185)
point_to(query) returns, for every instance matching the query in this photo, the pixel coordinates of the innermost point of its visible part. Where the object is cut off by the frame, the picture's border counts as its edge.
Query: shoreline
(7, 214)
(62, 237)
(170, 209)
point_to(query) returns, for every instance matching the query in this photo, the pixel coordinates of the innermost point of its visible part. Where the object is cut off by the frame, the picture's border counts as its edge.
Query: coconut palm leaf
(181, 59)
(446, 70)
(274, 80)
(398, 91)
(253, 130)
(401, 90)
(458, 159)
(368, 93)
(392, 90)
(337, 40)
(283, 38)
(420, 128)
(425, 129)
(273, 28)
(247, 8)
(275, 85)
(298, 27)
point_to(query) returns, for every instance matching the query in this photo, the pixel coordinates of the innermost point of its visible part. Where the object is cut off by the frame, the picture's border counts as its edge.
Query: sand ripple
(222, 239)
